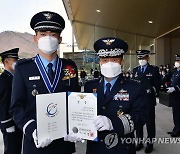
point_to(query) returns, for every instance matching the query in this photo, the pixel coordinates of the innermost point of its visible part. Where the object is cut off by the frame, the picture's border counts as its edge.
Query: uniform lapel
(139, 71)
(147, 68)
(8, 73)
(100, 92)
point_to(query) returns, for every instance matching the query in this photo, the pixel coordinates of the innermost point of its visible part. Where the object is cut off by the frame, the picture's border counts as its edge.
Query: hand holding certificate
(56, 115)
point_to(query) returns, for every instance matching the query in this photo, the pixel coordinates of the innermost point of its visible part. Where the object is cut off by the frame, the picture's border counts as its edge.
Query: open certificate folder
(60, 113)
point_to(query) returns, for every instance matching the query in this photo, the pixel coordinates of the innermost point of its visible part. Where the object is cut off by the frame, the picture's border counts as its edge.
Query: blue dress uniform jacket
(125, 108)
(175, 82)
(12, 141)
(151, 80)
(23, 107)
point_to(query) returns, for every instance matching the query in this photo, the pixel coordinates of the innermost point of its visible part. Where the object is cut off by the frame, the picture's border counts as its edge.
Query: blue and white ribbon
(42, 70)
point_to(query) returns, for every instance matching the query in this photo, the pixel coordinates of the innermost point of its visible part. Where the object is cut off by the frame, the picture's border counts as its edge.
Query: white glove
(73, 138)
(43, 144)
(170, 89)
(10, 129)
(102, 123)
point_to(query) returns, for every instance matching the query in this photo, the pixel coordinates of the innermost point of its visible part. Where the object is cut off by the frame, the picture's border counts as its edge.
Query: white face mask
(163, 73)
(177, 65)
(13, 65)
(111, 69)
(142, 62)
(48, 44)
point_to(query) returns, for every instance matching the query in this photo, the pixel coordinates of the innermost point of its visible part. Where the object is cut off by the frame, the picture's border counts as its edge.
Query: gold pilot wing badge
(109, 41)
(48, 16)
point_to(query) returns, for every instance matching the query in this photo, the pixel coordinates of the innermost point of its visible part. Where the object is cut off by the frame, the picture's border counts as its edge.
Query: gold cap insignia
(109, 41)
(48, 16)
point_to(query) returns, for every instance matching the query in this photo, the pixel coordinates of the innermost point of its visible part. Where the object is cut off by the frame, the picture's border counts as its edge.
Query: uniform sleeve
(86, 87)
(5, 93)
(74, 82)
(18, 105)
(177, 85)
(133, 73)
(157, 80)
(129, 122)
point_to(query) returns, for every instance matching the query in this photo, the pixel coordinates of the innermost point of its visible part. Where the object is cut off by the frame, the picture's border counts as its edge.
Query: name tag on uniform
(34, 78)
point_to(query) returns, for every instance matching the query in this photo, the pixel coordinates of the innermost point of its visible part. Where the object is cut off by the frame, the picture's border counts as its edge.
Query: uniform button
(101, 140)
(103, 107)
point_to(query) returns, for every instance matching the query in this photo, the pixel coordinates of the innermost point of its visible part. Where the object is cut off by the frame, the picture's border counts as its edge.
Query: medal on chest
(122, 95)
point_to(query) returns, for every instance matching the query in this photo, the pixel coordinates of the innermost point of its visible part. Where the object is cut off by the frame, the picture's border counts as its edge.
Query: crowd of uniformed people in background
(125, 100)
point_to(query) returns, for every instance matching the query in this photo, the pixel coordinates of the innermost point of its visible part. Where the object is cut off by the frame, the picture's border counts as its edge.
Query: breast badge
(122, 95)
(34, 92)
(69, 72)
(149, 75)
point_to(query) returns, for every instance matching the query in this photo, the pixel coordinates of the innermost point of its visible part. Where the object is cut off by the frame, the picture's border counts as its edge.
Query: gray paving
(164, 124)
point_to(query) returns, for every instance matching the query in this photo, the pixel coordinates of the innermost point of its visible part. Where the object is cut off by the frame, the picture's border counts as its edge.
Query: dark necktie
(108, 86)
(142, 69)
(50, 72)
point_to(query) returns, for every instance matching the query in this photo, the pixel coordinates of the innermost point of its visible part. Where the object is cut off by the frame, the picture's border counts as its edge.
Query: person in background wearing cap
(45, 73)
(150, 77)
(120, 107)
(174, 89)
(12, 135)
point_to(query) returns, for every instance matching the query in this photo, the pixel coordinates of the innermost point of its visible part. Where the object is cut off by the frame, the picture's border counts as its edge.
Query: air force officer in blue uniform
(12, 135)
(121, 107)
(174, 89)
(150, 77)
(45, 73)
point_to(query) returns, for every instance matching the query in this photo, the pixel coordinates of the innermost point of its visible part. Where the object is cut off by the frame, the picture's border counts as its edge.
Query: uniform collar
(112, 82)
(9, 72)
(46, 62)
(145, 66)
